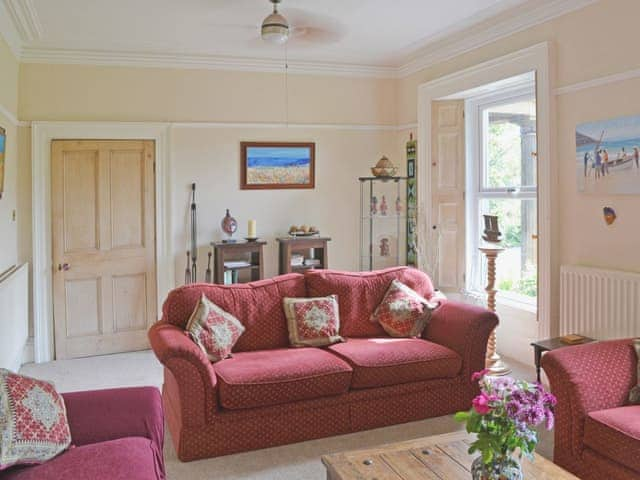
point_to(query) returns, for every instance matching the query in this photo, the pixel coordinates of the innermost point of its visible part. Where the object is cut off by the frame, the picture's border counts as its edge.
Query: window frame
(476, 153)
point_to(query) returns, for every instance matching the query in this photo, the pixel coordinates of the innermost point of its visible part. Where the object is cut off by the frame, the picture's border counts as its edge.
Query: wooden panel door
(103, 216)
(447, 192)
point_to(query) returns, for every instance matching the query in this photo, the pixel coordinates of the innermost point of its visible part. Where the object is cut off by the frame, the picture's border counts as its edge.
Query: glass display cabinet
(383, 222)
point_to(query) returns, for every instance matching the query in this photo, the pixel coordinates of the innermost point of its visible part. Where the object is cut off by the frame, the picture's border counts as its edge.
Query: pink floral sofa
(269, 394)
(597, 434)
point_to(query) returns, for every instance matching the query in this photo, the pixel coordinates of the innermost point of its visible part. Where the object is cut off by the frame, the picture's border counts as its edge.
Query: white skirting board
(14, 317)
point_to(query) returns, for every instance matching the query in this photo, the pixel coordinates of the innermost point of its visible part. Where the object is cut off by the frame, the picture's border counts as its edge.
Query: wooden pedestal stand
(494, 363)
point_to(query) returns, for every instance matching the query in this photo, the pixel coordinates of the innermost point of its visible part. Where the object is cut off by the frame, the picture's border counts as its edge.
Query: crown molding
(9, 31)
(463, 41)
(208, 62)
(21, 24)
(13, 119)
(25, 19)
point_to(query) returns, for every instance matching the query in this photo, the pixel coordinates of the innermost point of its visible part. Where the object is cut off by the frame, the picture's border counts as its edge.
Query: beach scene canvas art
(278, 165)
(608, 156)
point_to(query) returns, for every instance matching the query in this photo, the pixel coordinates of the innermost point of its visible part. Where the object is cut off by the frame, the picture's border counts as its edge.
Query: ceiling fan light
(275, 29)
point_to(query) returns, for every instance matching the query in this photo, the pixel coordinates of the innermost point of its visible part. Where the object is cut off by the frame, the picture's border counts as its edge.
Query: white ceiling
(371, 33)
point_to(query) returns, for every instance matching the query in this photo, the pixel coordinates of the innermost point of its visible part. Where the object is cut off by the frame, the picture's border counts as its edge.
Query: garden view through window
(507, 188)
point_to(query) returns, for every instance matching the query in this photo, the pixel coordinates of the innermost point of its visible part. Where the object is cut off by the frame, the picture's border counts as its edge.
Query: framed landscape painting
(3, 143)
(274, 165)
(608, 156)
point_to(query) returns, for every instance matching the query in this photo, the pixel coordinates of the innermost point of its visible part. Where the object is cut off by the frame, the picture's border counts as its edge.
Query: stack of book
(312, 262)
(297, 260)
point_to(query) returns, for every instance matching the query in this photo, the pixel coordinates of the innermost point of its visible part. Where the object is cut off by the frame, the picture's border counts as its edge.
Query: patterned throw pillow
(214, 330)
(634, 395)
(402, 312)
(312, 322)
(33, 421)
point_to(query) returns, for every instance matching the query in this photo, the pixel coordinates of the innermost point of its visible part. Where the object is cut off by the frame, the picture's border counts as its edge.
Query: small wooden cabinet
(311, 248)
(247, 261)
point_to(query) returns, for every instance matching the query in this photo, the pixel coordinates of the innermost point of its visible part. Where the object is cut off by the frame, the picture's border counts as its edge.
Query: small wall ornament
(609, 215)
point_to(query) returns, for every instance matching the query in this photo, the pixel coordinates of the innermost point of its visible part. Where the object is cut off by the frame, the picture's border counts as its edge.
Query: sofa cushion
(360, 293)
(313, 322)
(402, 312)
(258, 306)
(270, 377)
(131, 458)
(213, 330)
(379, 362)
(615, 434)
(33, 421)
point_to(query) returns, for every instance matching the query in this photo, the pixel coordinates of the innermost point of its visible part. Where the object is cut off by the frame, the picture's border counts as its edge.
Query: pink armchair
(597, 433)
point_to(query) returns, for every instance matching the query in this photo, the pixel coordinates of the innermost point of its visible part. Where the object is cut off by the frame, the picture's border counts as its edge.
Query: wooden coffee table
(441, 457)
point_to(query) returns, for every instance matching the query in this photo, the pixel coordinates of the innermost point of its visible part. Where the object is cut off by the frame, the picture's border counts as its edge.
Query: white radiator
(598, 303)
(14, 316)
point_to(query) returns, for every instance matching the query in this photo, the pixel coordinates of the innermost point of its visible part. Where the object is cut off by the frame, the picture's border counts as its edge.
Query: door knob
(63, 267)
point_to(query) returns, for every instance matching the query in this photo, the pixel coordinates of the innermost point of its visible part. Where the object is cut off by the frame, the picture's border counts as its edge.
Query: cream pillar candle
(251, 229)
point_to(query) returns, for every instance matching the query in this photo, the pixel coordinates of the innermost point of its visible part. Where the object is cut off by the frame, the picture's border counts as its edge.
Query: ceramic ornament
(609, 215)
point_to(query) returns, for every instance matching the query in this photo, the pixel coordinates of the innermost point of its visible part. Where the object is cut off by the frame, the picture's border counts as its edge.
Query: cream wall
(585, 48)
(8, 203)
(596, 41)
(13, 331)
(351, 123)
(88, 93)
(210, 157)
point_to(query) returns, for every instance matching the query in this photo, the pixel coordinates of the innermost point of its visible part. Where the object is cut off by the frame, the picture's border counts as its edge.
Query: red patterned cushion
(33, 421)
(284, 375)
(258, 306)
(615, 433)
(378, 362)
(214, 330)
(359, 294)
(402, 312)
(312, 322)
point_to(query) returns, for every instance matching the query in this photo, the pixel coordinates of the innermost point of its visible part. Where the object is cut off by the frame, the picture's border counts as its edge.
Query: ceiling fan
(275, 28)
(294, 25)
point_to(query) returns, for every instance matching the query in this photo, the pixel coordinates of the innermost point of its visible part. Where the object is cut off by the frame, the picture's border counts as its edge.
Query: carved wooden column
(493, 362)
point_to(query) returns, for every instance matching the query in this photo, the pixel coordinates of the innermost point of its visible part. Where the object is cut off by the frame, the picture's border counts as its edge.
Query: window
(502, 161)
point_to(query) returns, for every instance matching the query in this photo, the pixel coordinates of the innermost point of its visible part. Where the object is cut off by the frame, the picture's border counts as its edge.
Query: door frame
(42, 133)
(536, 58)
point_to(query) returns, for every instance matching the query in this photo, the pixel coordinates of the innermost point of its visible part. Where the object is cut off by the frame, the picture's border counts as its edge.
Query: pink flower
(482, 402)
(478, 375)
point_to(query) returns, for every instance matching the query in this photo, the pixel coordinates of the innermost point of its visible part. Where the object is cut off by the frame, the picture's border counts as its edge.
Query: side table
(549, 344)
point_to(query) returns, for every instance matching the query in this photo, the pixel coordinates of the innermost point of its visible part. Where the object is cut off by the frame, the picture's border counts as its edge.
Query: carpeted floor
(300, 461)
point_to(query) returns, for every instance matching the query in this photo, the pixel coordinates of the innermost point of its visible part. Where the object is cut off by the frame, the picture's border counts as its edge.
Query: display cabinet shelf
(383, 222)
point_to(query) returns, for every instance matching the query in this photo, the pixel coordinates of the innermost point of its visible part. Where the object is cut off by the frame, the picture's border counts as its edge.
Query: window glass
(509, 132)
(516, 267)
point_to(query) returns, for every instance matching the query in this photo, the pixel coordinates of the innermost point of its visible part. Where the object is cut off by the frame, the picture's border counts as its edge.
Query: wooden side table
(250, 252)
(311, 247)
(549, 344)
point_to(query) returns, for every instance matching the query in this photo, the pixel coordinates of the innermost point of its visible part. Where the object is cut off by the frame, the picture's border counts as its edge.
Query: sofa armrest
(587, 378)
(191, 370)
(101, 415)
(465, 329)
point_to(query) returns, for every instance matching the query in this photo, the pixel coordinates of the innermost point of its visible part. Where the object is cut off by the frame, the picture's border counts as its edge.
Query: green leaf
(462, 416)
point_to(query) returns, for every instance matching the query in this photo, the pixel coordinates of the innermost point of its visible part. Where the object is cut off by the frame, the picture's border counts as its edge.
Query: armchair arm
(465, 329)
(586, 378)
(101, 415)
(191, 370)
